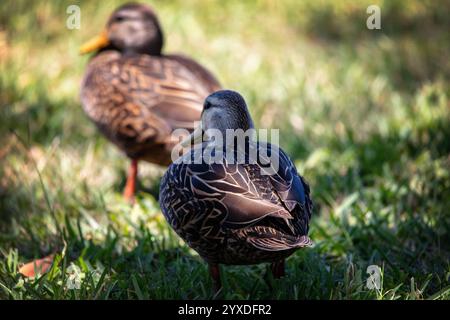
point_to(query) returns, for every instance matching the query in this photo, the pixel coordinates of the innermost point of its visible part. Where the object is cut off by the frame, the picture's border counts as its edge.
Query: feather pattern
(137, 101)
(235, 214)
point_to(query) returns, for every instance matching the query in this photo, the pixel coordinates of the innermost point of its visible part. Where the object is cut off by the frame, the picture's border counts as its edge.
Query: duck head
(222, 110)
(132, 28)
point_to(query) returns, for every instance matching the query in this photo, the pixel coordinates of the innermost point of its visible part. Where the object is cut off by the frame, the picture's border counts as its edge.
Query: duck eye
(207, 105)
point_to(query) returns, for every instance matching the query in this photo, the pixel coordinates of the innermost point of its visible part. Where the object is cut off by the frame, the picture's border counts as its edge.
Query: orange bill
(95, 43)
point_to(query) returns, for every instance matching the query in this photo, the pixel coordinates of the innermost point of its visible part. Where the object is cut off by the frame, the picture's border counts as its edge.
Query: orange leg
(278, 269)
(130, 187)
(214, 271)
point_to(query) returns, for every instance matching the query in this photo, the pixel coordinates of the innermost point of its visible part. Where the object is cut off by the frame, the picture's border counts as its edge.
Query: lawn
(365, 115)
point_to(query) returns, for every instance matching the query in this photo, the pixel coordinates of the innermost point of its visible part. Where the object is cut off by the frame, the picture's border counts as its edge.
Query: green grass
(364, 114)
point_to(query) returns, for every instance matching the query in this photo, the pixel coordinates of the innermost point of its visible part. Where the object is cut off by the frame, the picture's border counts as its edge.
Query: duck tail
(270, 239)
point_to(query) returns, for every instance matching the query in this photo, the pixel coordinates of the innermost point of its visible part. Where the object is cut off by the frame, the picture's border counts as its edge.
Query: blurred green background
(364, 114)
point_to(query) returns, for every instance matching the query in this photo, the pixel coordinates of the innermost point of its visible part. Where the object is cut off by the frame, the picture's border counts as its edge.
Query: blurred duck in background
(135, 94)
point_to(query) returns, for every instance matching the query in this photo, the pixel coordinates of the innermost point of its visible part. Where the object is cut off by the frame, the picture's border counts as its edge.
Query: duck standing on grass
(234, 213)
(135, 94)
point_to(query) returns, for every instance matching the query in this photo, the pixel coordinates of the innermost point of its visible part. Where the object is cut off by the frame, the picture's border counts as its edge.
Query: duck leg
(130, 187)
(214, 271)
(278, 269)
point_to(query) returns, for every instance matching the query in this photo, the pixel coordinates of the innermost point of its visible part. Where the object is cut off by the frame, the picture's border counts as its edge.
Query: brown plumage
(232, 212)
(135, 94)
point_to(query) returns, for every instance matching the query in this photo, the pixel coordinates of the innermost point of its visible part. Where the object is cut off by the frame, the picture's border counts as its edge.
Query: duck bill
(194, 138)
(95, 43)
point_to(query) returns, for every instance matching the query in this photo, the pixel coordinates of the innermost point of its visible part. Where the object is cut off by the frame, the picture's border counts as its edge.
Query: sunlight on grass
(364, 114)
